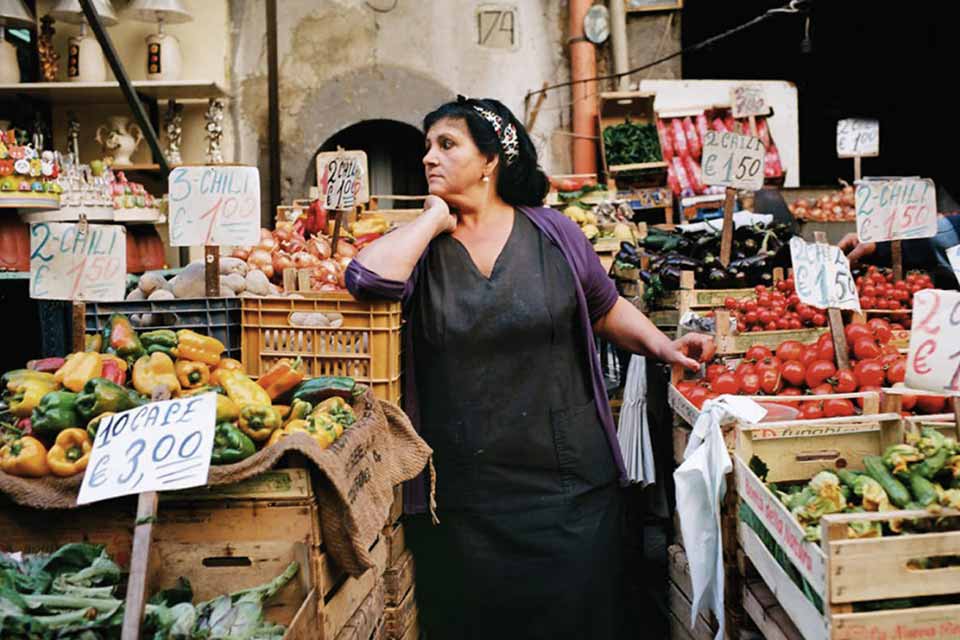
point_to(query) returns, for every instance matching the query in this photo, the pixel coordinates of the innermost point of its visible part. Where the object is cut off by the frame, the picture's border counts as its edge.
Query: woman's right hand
(437, 210)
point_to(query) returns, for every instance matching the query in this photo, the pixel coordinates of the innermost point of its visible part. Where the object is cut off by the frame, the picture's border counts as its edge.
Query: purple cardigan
(596, 295)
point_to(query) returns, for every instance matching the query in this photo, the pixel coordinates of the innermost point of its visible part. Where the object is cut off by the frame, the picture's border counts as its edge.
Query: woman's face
(453, 164)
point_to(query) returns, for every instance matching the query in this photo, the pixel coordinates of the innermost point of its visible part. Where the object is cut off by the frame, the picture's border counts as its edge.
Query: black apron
(528, 541)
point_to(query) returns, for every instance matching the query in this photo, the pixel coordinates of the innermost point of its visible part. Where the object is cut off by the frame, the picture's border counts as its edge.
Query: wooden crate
(841, 571)
(366, 621)
(398, 621)
(901, 337)
(615, 108)
(680, 595)
(398, 579)
(344, 595)
(765, 612)
(395, 539)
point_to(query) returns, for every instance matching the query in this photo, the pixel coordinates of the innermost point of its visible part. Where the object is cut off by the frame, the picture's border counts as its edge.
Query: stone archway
(372, 93)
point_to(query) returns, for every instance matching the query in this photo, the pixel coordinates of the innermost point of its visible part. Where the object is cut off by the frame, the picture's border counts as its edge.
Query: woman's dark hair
(522, 182)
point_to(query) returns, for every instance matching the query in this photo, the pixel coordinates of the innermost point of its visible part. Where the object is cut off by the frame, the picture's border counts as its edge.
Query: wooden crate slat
(366, 618)
(939, 623)
(341, 604)
(398, 579)
(681, 608)
(762, 607)
(398, 619)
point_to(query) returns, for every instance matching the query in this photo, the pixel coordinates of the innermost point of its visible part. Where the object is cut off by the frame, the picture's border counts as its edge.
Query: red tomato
(795, 323)
(865, 348)
(790, 391)
(749, 383)
(869, 373)
(752, 317)
(790, 350)
(685, 386)
(838, 407)
(819, 320)
(812, 409)
(751, 305)
(856, 330)
(846, 381)
(714, 370)
(908, 403)
(730, 303)
(783, 323)
(825, 349)
(897, 372)
(822, 389)
(726, 383)
(805, 312)
(931, 404)
(771, 326)
(770, 363)
(745, 367)
(865, 389)
(697, 396)
(794, 372)
(810, 354)
(867, 302)
(758, 352)
(818, 372)
(771, 381)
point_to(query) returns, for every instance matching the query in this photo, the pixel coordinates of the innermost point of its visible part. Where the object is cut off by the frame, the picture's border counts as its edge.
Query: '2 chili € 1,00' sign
(161, 446)
(933, 362)
(896, 209)
(342, 178)
(733, 160)
(217, 205)
(822, 275)
(857, 137)
(68, 262)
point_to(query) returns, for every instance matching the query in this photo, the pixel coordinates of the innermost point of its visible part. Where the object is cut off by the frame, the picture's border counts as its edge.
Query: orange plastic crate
(366, 347)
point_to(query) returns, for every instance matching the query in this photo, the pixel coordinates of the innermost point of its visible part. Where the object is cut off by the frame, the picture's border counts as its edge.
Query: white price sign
(953, 255)
(161, 446)
(822, 275)
(342, 178)
(856, 137)
(214, 206)
(68, 262)
(896, 209)
(748, 100)
(933, 362)
(733, 160)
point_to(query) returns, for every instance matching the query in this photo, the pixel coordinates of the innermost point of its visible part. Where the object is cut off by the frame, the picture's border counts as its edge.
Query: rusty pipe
(583, 64)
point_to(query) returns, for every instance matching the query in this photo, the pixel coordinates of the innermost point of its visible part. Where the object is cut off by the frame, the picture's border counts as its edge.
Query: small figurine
(214, 126)
(48, 55)
(173, 124)
(73, 136)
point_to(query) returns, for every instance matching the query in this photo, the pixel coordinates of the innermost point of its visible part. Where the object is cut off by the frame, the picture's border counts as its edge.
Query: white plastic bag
(633, 431)
(701, 485)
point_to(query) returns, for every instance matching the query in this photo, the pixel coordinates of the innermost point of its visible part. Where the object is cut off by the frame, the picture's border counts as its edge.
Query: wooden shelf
(109, 92)
(141, 166)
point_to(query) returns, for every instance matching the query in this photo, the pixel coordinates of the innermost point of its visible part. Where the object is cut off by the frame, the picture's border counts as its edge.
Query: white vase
(119, 139)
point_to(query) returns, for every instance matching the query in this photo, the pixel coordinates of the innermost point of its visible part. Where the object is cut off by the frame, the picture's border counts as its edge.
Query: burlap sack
(358, 473)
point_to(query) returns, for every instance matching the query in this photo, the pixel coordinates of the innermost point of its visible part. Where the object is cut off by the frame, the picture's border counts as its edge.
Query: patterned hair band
(507, 135)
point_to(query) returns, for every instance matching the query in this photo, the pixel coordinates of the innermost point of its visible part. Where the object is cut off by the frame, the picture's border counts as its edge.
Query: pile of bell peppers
(51, 410)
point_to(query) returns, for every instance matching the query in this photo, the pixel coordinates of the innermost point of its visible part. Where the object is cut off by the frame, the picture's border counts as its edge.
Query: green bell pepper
(230, 445)
(120, 339)
(57, 411)
(100, 395)
(316, 390)
(162, 340)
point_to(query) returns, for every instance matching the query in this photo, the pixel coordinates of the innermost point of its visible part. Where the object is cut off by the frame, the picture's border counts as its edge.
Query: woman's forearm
(625, 326)
(395, 255)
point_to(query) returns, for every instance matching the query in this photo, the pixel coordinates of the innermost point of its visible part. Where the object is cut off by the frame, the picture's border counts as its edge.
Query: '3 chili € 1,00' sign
(76, 262)
(896, 209)
(933, 362)
(733, 160)
(161, 446)
(217, 205)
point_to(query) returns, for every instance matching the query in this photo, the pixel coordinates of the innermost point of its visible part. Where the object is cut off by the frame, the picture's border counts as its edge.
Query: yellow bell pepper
(199, 348)
(243, 390)
(227, 409)
(322, 437)
(299, 410)
(79, 368)
(70, 453)
(325, 422)
(192, 374)
(369, 224)
(226, 364)
(259, 421)
(154, 372)
(25, 390)
(26, 457)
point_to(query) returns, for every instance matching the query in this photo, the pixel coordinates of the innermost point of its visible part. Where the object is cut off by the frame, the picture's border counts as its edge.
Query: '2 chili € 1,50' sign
(822, 275)
(933, 362)
(217, 205)
(896, 209)
(70, 263)
(161, 446)
(733, 160)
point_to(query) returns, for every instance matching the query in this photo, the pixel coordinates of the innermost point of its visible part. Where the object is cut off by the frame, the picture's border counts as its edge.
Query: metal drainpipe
(618, 40)
(583, 64)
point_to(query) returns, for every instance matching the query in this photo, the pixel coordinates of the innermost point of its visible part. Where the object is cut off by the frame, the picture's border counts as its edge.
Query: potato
(136, 294)
(226, 291)
(258, 283)
(190, 282)
(230, 266)
(161, 294)
(236, 282)
(151, 281)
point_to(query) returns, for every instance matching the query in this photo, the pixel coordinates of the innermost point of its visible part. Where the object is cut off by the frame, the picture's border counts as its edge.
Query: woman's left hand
(690, 351)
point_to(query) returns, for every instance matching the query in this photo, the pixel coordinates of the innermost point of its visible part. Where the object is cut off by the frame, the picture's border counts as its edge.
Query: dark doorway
(394, 157)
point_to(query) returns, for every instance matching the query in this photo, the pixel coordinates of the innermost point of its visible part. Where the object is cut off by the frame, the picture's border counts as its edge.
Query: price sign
(748, 100)
(70, 262)
(214, 206)
(822, 275)
(895, 209)
(933, 362)
(342, 177)
(856, 137)
(733, 160)
(161, 446)
(953, 255)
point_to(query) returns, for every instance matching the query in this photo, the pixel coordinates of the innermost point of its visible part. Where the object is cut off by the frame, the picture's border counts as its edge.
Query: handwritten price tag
(953, 255)
(822, 275)
(748, 100)
(161, 446)
(733, 160)
(215, 206)
(858, 138)
(68, 264)
(896, 209)
(933, 362)
(343, 180)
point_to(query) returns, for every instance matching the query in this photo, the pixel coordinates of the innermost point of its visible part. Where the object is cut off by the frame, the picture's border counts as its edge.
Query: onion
(305, 260)
(328, 288)
(344, 262)
(344, 248)
(267, 241)
(284, 231)
(328, 271)
(320, 247)
(261, 259)
(242, 252)
(282, 261)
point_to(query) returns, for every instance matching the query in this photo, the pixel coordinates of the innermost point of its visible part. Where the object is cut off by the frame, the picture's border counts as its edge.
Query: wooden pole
(211, 273)
(79, 322)
(856, 168)
(139, 561)
(956, 413)
(836, 321)
(337, 222)
(753, 126)
(726, 234)
(896, 257)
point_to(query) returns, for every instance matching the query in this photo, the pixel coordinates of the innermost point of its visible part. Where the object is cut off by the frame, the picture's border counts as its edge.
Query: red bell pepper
(112, 371)
(46, 365)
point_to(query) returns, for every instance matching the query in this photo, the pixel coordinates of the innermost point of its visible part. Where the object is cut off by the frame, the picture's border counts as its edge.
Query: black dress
(528, 542)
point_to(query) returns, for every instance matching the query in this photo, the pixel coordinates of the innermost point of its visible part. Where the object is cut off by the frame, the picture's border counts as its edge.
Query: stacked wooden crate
(400, 619)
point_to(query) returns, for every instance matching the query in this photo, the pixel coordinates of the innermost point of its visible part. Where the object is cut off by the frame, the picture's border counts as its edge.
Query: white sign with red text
(933, 362)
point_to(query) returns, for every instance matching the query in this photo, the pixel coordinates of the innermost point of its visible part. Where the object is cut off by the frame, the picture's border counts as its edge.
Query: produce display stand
(616, 108)
(842, 572)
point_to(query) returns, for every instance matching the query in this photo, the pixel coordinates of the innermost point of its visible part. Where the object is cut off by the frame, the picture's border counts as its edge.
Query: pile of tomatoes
(808, 371)
(774, 308)
(877, 290)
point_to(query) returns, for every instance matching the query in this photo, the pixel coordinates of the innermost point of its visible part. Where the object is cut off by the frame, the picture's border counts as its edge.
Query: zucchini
(877, 470)
(848, 477)
(932, 465)
(922, 489)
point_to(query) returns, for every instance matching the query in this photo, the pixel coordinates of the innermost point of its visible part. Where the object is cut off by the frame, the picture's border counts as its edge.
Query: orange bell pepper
(226, 364)
(282, 376)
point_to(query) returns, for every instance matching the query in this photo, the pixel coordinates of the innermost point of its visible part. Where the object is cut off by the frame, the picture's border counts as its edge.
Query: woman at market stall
(503, 299)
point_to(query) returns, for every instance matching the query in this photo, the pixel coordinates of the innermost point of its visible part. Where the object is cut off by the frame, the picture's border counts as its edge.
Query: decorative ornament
(214, 126)
(73, 136)
(49, 57)
(173, 124)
